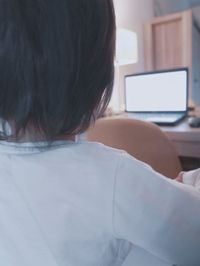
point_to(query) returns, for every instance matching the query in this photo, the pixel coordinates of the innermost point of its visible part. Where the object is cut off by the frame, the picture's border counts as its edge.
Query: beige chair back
(145, 141)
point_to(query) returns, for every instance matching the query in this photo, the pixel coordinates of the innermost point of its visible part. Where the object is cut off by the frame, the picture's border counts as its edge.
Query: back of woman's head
(56, 64)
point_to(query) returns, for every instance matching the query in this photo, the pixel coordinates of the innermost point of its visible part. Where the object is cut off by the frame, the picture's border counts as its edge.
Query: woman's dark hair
(56, 64)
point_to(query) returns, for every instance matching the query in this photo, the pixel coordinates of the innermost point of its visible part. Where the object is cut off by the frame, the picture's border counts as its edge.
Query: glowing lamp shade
(126, 47)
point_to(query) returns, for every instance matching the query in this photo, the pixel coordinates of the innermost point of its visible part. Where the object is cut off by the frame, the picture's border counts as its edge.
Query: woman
(65, 202)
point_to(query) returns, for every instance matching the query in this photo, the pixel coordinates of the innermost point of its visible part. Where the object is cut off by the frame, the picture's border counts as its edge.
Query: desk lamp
(126, 54)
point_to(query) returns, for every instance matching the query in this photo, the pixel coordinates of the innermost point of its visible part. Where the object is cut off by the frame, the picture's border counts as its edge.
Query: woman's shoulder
(108, 157)
(100, 148)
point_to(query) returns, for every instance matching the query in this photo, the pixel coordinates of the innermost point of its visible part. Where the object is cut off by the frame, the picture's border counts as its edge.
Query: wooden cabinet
(168, 42)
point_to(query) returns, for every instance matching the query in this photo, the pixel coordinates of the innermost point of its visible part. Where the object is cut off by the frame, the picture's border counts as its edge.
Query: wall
(164, 7)
(132, 14)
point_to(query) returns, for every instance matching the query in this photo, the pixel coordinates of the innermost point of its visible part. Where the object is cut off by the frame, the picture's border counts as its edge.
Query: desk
(185, 139)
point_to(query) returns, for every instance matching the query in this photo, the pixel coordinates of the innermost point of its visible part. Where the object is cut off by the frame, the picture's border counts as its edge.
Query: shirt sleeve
(192, 178)
(157, 214)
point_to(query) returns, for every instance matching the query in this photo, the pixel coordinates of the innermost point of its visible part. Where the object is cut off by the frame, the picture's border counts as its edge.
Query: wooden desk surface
(185, 139)
(182, 132)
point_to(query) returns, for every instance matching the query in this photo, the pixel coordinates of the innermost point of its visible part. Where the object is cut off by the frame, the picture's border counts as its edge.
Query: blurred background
(168, 36)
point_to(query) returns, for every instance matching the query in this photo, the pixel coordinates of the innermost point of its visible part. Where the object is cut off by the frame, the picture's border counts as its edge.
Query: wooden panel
(168, 42)
(168, 18)
(167, 45)
(149, 49)
(187, 50)
(187, 38)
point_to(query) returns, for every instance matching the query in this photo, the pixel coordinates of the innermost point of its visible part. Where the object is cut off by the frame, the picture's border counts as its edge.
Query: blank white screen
(156, 92)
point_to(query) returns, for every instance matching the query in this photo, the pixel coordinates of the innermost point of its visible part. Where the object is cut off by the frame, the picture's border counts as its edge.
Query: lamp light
(126, 47)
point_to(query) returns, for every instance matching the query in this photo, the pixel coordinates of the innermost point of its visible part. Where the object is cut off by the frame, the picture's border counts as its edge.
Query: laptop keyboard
(160, 118)
(146, 116)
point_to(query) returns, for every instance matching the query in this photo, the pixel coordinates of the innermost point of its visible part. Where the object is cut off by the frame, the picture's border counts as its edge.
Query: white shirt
(192, 178)
(83, 204)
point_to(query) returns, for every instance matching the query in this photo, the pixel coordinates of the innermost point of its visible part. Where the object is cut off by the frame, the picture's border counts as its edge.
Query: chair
(143, 140)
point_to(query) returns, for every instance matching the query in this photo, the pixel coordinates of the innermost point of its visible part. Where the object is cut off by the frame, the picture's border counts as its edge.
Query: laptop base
(161, 120)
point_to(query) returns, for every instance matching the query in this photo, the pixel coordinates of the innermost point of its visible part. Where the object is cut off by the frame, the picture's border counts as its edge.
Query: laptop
(160, 97)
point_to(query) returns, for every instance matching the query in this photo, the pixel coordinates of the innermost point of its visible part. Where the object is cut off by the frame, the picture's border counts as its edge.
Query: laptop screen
(164, 91)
